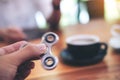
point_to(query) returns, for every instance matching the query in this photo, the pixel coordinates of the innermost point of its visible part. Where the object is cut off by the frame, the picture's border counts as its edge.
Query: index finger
(11, 48)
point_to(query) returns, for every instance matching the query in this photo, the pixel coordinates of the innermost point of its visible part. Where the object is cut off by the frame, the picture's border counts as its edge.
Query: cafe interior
(87, 33)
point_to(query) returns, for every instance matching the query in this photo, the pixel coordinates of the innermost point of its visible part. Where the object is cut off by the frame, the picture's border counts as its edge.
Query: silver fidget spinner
(49, 61)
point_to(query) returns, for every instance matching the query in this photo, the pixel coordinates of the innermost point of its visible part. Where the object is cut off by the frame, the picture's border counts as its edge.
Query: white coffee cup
(115, 30)
(115, 40)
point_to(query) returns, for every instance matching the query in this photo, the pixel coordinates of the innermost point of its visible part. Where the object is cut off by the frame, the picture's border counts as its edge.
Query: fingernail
(42, 48)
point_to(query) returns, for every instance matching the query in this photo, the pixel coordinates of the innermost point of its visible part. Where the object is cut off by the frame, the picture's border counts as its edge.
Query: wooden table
(108, 69)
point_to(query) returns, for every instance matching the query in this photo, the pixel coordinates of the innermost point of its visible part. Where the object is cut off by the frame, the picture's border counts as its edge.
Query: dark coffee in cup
(85, 46)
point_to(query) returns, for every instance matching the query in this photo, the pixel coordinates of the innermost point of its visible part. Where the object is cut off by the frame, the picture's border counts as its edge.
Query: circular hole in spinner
(49, 61)
(50, 38)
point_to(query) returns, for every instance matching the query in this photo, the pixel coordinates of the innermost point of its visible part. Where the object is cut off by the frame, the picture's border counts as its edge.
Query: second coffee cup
(85, 46)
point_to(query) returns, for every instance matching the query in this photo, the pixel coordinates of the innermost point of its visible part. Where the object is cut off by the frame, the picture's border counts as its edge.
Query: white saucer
(115, 43)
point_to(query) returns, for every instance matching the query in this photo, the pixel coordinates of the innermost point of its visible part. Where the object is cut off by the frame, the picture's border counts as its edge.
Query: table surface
(108, 69)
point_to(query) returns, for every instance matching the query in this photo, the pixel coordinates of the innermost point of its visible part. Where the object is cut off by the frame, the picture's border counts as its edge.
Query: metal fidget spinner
(49, 61)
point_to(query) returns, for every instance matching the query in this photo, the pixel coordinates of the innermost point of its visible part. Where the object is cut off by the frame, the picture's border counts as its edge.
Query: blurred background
(83, 11)
(36, 17)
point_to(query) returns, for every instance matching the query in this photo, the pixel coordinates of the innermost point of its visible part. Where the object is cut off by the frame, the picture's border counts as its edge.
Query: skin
(15, 62)
(12, 34)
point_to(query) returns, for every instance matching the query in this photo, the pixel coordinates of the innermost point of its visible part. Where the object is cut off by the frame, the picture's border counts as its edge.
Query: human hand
(12, 34)
(15, 63)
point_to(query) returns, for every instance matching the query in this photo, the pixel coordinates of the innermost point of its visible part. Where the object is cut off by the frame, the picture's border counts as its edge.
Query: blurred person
(15, 62)
(21, 14)
(12, 34)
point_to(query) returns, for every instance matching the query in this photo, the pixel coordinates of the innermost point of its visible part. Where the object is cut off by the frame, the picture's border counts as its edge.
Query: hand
(15, 63)
(12, 34)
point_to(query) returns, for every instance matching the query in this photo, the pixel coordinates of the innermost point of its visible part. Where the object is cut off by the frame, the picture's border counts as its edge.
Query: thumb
(26, 53)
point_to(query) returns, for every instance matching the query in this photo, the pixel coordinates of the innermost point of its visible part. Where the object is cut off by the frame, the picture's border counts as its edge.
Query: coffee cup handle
(103, 48)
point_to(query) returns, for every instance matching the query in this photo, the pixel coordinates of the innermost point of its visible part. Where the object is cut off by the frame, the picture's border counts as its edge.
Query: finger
(25, 66)
(26, 53)
(22, 76)
(25, 74)
(24, 70)
(11, 48)
(16, 33)
(19, 33)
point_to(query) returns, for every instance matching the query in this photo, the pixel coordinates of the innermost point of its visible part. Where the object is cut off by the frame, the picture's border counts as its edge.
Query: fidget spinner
(49, 61)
